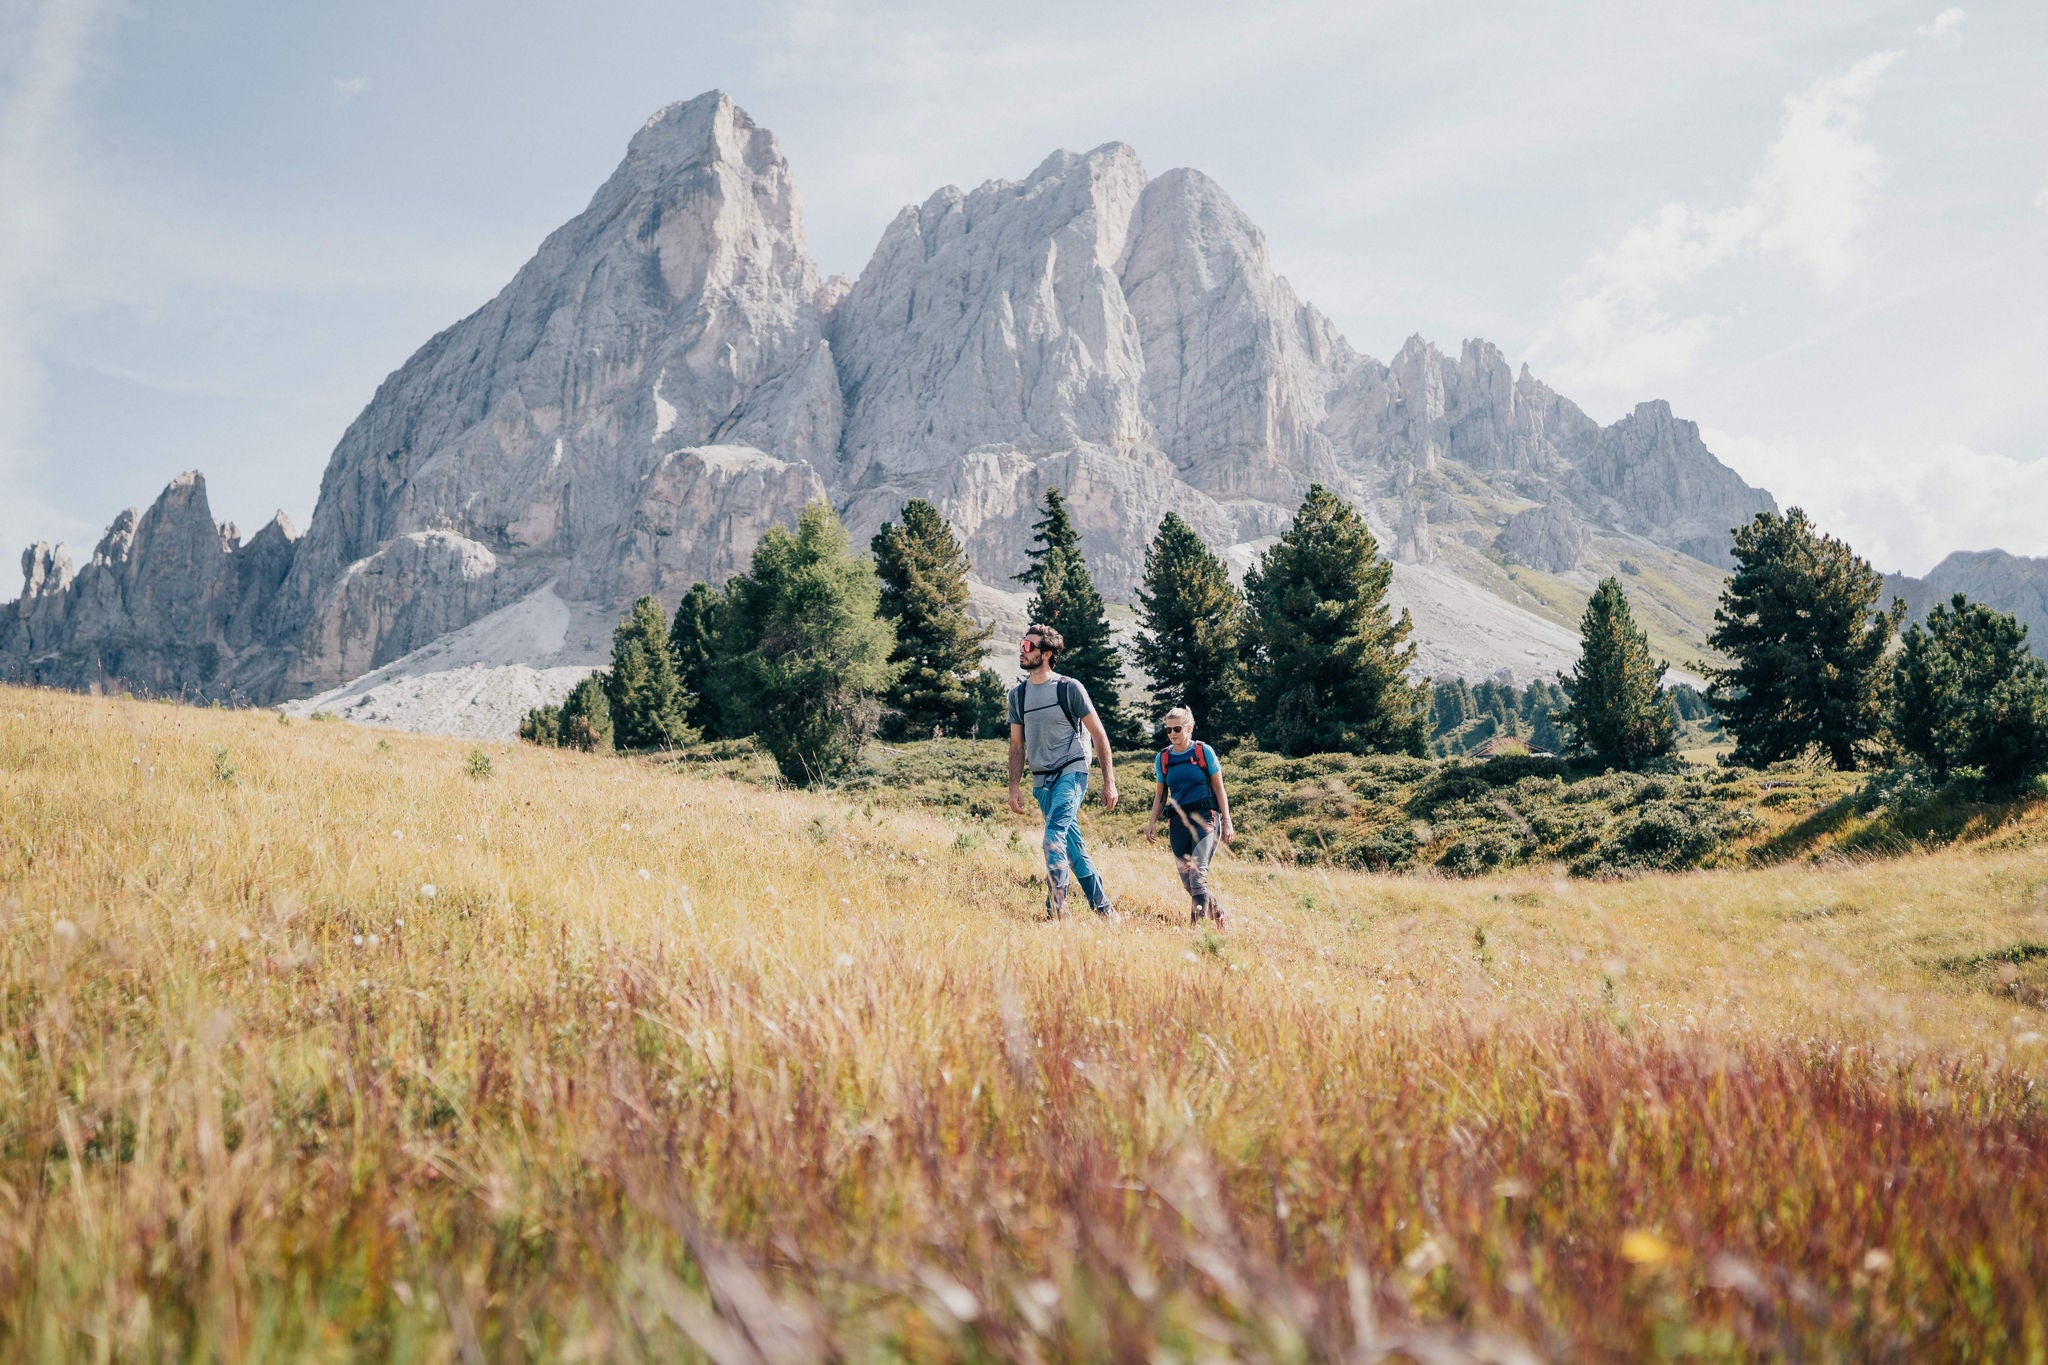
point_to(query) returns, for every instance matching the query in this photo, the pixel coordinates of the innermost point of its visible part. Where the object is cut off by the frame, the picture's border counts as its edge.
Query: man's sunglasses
(1033, 643)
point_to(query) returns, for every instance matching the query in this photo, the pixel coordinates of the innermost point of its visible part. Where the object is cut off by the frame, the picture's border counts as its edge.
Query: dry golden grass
(320, 1042)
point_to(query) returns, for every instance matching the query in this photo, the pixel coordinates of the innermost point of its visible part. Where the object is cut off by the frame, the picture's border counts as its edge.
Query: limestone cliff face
(668, 376)
(1546, 537)
(171, 602)
(988, 352)
(1651, 474)
(679, 310)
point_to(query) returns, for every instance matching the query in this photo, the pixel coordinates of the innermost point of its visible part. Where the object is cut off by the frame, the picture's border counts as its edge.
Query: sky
(1820, 230)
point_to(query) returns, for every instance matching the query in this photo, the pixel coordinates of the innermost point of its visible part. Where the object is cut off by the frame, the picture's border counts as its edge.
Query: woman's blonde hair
(1178, 713)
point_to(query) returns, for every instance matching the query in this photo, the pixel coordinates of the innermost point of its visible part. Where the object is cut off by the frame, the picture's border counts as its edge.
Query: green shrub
(542, 725)
(587, 717)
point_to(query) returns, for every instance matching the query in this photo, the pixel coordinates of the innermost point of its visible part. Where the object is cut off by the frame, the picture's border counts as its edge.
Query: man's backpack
(1065, 689)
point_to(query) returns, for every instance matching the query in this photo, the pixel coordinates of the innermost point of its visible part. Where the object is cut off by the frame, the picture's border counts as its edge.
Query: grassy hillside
(1467, 817)
(316, 1043)
(1672, 595)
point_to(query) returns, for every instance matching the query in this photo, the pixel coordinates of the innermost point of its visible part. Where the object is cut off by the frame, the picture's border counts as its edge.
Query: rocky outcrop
(699, 514)
(2006, 582)
(171, 603)
(668, 376)
(1547, 537)
(1238, 371)
(1652, 475)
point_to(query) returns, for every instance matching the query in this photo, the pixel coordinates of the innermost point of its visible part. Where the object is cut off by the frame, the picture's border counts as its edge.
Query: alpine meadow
(958, 772)
(324, 1043)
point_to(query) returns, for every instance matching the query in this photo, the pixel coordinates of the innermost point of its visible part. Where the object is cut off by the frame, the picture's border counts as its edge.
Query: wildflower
(64, 929)
(398, 834)
(428, 892)
(359, 940)
(373, 940)
(1645, 1248)
(645, 874)
(844, 959)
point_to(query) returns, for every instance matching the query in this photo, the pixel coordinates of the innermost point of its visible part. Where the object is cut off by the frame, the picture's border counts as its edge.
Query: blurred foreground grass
(321, 1043)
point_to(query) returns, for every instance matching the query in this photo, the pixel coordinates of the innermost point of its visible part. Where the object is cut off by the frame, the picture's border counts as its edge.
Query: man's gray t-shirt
(1053, 745)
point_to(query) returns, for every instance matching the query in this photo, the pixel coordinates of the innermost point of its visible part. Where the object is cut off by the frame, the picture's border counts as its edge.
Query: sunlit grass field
(318, 1042)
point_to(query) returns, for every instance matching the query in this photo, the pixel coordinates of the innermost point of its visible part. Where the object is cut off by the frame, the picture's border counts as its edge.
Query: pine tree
(649, 708)
(923, 573)
(543, 726)
(1617, 710)
(1799, 620)
(1066, 600)
(1191, 631)
(1329, 660)
(587, 716)
(1541, 705)
(693, 644)
(803, 655)
(1968, 693)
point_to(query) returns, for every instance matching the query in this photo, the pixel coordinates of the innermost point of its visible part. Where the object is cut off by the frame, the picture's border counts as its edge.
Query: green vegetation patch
(2018, 972)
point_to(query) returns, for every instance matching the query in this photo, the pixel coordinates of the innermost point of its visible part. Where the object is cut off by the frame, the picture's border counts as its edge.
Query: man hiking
(1055, 726)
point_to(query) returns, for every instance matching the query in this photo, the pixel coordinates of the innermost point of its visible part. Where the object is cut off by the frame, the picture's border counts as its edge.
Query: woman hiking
(1188, 785)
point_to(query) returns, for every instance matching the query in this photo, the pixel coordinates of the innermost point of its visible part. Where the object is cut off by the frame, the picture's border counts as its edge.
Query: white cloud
(1621, 327)
(348, 87)
(1944, 27)
(1903, 508)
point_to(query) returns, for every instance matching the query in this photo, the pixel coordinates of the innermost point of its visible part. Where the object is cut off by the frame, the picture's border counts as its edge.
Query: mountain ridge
(669, 374)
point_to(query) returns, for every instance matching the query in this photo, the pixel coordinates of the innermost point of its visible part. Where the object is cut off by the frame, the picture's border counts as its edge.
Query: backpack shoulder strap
(1063, 690)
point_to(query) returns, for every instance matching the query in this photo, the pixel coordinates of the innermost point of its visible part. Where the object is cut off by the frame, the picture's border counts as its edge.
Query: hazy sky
(1820, 230)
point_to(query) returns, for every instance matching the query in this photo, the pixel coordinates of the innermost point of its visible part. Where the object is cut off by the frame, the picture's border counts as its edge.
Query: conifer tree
(587, 716)
(1191, 631)
(1968, 693)
(543, 726)
(649, 708)
(923, 573)
(1799, 619)
(1329, 662)
(1066, 599)
(803, 657)
(1617, 710)
(693, 644)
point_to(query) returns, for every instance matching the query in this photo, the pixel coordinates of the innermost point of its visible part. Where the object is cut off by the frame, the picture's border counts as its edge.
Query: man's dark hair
(1049, 640)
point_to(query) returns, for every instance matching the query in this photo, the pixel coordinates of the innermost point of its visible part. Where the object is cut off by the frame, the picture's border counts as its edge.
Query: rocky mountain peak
(680, 309)
(668, 376)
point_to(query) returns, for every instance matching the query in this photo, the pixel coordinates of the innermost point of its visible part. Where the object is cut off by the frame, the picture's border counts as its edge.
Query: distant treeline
(814, 650)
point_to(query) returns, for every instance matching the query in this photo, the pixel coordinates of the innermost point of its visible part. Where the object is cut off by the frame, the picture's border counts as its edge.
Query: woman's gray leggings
(1193, 836)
